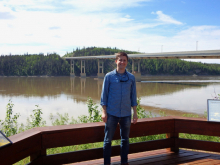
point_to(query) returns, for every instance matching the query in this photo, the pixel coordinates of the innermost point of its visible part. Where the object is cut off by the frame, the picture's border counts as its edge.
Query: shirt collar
(115, 72)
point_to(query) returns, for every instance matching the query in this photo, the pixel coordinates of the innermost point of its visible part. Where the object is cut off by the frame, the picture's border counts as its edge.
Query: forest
(54, 65)
(34, 65)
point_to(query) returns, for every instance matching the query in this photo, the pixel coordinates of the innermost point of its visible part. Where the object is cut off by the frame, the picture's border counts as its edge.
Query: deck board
(163, 157)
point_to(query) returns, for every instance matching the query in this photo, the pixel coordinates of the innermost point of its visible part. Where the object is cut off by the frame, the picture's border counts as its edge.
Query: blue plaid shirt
(119, 93)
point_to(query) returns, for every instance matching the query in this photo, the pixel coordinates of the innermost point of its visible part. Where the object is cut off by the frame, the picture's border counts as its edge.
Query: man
(118, 96)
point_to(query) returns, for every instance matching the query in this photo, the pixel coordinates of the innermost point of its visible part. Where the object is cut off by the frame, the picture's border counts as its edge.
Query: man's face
(121, 62)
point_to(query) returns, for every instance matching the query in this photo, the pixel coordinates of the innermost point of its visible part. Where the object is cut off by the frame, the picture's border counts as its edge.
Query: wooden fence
(34, 142)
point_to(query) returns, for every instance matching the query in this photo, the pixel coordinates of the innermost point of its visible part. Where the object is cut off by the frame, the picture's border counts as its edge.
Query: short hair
(121, 54)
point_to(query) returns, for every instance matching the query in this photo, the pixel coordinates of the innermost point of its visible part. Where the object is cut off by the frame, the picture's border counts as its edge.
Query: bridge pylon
(137, 74)
(100, 73)
(72, 73)
(83, 69)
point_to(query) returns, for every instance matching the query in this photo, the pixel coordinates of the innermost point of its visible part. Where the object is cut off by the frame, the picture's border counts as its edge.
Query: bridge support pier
(100, 73)
(72, 74)
(83, 69)
(137, 74)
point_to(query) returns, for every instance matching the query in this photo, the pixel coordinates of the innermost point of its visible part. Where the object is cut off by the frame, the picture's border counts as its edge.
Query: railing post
(174, 136)
(36, 155)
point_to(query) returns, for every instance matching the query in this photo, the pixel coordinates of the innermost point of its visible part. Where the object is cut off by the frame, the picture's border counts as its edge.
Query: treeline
(96, 51)
(33, 65)
(177, 67)
(54, 65)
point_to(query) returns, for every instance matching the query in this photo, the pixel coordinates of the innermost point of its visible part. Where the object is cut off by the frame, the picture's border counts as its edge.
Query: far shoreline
(143, 76)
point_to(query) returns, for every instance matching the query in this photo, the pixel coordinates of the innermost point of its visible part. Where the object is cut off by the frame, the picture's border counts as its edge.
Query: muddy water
(175, 95)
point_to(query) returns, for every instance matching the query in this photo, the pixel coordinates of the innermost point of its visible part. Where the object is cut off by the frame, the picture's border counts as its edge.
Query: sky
(150, 26)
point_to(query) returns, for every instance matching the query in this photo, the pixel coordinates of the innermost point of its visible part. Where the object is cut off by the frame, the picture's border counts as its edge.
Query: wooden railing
(34, 142)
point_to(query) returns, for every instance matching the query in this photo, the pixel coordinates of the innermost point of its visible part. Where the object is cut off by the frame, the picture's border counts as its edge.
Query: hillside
(54, 65)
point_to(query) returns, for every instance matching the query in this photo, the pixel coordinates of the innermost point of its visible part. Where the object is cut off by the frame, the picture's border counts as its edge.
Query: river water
(175, 95)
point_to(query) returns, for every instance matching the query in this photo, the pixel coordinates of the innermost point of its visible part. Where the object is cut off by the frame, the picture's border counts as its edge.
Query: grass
(3, 143)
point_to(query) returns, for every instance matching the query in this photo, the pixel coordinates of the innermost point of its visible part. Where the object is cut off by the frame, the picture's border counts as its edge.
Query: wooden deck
(35, 142)
(163, 157)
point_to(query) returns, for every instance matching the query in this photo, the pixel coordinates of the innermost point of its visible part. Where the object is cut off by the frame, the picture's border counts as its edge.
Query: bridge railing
(36, 141)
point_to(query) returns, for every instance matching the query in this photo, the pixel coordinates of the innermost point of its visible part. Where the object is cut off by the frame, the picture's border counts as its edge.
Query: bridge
(205, 54)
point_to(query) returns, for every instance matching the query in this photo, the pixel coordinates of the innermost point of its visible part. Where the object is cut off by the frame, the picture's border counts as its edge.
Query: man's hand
(135, 118)
(104, 117)
(104, 114)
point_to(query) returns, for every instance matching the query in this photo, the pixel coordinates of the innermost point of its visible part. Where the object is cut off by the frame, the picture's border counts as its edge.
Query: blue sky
(45, 26)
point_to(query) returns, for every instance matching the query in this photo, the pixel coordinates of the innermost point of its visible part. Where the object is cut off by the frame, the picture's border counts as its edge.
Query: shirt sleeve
(133, 93)
(104, 95)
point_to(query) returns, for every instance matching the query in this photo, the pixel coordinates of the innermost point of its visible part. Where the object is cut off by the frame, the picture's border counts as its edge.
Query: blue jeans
(110, 126)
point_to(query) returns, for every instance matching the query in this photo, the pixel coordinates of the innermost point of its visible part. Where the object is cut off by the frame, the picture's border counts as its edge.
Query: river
(175, 95)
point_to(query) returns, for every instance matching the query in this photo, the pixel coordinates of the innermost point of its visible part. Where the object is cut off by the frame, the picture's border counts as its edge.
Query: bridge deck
(204, 54)
(162, 157)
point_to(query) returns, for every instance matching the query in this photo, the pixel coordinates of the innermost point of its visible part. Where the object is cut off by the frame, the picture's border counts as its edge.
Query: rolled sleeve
(133, 94)
(104, 95)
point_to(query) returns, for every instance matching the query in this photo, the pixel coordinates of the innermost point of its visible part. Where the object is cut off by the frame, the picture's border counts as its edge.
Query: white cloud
(23, 5)
(208, 37)
(43, 31)
(5, 12)
(166, 19)
(6, 15)
(54, 27)
(4, 9)
(30, 33)
(70, 30)
(76, 5)
(127, 16)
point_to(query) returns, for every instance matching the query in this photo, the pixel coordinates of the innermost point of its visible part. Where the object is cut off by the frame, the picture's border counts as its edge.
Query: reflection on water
(175, 95)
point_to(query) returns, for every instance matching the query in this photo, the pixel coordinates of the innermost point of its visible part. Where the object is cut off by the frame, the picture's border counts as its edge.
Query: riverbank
(142, 76)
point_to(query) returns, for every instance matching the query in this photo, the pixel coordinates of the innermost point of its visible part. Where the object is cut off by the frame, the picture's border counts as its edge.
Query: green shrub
(36, 119)
(10, 125)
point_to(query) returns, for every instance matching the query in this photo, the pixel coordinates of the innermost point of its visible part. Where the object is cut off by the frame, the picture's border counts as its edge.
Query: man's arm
(134, 101)
(135, 117)
(104, 114)
(104, 98)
